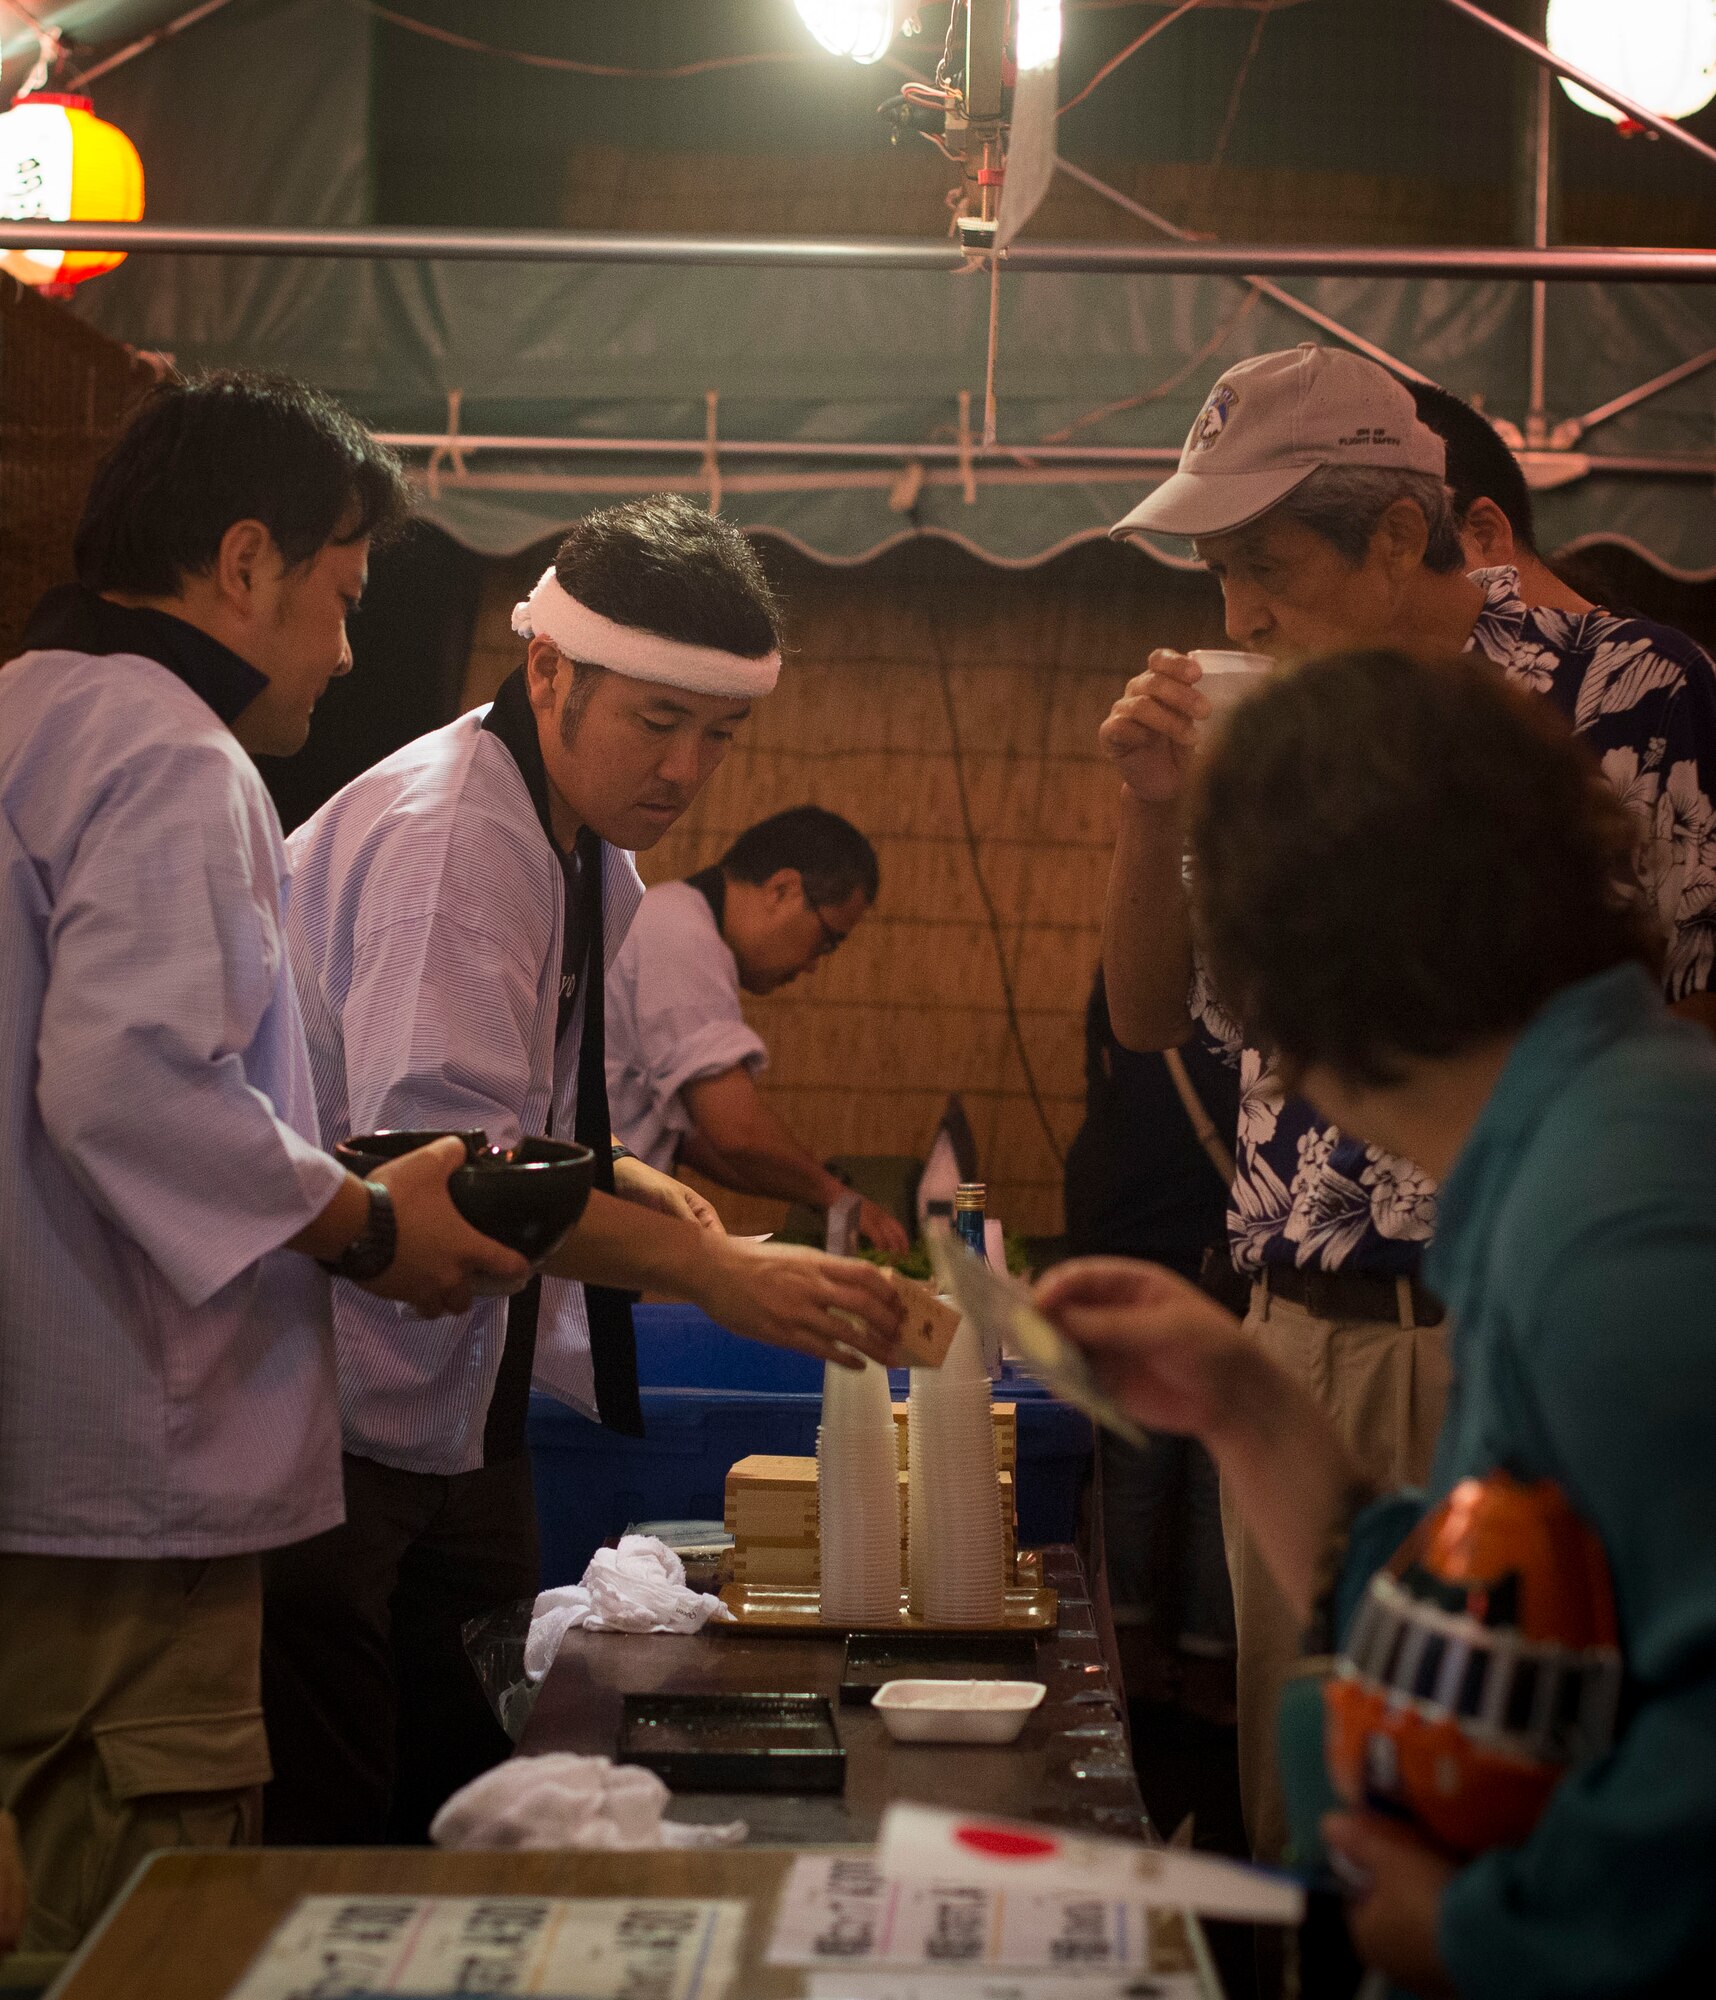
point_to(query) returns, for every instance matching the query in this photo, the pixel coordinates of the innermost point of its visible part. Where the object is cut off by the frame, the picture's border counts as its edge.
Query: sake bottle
(969, 1202)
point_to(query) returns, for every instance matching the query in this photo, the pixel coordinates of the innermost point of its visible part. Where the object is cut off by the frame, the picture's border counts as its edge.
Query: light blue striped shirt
(166, 1370)
(424, 922)
(674, 1017)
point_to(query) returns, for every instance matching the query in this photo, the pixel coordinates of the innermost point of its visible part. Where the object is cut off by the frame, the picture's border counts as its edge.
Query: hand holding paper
(1166, 1351)
(1001, 1310)
(925, 1844)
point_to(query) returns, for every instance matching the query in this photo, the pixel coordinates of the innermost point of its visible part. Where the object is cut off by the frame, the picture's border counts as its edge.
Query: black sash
(613, 1348)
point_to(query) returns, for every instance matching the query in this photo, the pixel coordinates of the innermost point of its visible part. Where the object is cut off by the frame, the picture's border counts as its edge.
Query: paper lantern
(60, 163)
(1660, 53)
(861, 29)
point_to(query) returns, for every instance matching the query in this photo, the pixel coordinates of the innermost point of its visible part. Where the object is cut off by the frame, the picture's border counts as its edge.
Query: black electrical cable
(1009, 1002)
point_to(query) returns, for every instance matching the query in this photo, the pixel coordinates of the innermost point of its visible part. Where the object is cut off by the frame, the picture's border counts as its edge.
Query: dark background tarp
(1354, 120)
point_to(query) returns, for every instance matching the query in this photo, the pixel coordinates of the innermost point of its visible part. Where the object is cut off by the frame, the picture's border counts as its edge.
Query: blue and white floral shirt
(1644, 697)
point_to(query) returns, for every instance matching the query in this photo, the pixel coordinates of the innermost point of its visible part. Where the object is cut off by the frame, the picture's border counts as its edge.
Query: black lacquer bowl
(526, 1198)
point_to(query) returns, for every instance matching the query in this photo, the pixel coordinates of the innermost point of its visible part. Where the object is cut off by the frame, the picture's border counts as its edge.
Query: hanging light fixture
(61, 163)
(1660, 53)
(859, 29)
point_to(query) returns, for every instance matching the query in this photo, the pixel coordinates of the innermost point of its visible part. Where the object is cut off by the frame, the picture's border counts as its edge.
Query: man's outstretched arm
(764, 1157)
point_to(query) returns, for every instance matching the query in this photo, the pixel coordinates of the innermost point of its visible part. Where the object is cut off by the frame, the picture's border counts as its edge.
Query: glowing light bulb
(859, 29)
(1038, 33)
(1660, 53)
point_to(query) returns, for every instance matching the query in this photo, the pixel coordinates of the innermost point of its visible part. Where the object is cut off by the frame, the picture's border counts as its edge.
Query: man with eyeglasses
(682, 1059)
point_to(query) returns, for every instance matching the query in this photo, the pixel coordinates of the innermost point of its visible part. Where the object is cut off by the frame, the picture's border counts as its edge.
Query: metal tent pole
(1575, 427)
(1238, 260)
(469, 443)
(1367, 261)
(1047, 464)
(1536, 413)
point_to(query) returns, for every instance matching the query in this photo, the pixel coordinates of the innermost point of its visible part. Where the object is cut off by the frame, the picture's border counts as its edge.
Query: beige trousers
(1385, 1387)
(130, 1720)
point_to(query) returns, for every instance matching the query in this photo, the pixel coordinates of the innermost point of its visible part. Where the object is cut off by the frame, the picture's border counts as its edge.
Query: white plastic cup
(956, 1557)
(1229, 677)
(858, 1498)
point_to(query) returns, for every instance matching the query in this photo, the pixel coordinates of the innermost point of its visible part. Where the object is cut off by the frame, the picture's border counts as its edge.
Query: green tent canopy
(268, 112)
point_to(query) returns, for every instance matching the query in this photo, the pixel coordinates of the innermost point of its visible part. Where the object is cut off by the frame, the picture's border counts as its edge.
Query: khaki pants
(130, 1720)
(1385, 1387)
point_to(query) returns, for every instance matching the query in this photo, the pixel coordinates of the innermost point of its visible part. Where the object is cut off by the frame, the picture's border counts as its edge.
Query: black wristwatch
(371, 1251)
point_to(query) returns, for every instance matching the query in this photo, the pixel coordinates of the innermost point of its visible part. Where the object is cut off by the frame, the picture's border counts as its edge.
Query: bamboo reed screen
(866, 1047)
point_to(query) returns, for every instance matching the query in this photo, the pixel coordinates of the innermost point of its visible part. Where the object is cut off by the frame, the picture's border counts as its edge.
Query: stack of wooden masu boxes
(771, 1508)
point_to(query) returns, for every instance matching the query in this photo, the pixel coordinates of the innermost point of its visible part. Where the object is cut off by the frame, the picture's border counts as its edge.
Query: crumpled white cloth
(638, 1587)
(560, 1800)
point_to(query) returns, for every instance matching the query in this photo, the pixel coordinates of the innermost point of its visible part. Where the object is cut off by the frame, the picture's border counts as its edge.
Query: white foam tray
(956, 1711)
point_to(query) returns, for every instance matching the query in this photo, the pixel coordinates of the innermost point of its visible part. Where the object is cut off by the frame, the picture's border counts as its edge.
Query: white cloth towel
(638, 1587)
(560, 1800)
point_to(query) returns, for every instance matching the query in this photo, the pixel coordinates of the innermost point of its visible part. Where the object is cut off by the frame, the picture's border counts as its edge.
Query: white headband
(552, 612)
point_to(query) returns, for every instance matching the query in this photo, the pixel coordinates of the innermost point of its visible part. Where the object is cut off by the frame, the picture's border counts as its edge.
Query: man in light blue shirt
(452, 915)
(166, 1359)
(682, 1059)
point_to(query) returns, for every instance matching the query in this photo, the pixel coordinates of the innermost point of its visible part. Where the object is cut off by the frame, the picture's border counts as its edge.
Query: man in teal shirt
(1405, 879)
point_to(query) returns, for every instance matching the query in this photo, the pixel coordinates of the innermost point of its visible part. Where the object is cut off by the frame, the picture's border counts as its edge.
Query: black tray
(874, 1658)
(734, 1742)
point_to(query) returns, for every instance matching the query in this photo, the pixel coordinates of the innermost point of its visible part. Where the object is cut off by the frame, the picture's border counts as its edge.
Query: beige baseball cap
(1269, 423)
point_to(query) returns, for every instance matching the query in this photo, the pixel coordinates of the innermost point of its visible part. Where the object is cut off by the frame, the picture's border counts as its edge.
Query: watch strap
(372, 1250)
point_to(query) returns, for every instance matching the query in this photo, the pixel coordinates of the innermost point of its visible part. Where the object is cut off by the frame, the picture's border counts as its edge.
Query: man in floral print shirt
(1312, 490)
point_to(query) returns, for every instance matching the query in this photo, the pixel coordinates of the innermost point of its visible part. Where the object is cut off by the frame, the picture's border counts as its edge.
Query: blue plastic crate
(710, 1398)
(681, 1347)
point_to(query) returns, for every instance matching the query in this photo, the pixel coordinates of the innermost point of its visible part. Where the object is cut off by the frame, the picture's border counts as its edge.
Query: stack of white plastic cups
(956, 1558)
(858, 1498)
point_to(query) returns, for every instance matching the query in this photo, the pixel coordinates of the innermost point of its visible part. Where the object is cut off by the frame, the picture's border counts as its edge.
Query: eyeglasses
(831, 938)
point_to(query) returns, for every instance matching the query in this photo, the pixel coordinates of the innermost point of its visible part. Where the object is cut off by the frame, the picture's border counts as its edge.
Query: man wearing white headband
(451, 917)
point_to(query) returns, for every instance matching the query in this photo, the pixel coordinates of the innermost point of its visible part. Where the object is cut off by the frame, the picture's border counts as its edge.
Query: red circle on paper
(1005, 1845)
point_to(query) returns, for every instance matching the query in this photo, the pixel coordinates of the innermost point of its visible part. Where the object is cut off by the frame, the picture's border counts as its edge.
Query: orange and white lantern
(61, 163)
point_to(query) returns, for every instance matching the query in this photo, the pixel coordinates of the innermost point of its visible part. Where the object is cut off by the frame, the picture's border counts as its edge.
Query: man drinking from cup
(1312, 490)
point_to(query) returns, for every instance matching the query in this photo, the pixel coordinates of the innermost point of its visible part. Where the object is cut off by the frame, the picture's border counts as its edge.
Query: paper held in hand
(1001, 1310)
(926, 1332)
(925, 1844)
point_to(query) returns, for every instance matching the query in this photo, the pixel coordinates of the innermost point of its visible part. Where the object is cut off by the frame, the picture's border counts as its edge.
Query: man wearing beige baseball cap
(1311, 489)
(1271, 422)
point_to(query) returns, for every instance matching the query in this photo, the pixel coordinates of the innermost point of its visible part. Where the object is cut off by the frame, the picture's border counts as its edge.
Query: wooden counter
(1072, 1767)
(190, 1924)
